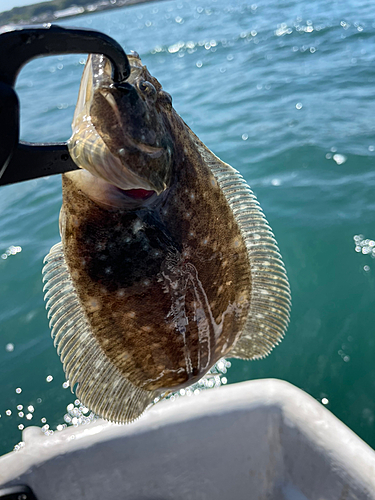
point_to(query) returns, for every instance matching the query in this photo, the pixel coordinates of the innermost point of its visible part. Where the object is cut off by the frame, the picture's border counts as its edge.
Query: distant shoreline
(51, 12)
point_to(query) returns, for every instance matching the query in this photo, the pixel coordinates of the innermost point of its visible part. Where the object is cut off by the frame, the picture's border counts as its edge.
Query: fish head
(121, 131)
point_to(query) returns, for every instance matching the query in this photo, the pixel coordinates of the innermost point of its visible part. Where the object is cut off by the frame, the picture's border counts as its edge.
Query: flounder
(166, 263)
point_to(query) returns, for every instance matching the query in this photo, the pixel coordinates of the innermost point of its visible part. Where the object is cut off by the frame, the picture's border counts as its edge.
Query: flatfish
(166, 262)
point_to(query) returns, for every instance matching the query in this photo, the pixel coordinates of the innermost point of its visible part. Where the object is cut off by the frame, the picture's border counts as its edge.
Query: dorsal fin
(270, 300)
(101, 386)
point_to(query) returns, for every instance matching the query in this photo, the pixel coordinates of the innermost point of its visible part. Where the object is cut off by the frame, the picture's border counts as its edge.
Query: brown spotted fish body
(166, 264)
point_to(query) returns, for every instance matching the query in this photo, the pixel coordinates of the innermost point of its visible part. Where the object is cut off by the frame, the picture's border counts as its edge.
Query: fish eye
(165, 98)
(147, 88)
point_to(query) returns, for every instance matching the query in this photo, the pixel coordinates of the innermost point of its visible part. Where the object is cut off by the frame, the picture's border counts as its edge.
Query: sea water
(284, 92)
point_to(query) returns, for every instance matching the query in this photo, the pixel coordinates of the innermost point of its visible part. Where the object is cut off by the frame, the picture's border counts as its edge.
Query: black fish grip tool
(21, 161)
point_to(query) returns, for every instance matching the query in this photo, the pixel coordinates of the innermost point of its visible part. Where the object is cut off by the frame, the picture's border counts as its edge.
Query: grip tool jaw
(21, 161)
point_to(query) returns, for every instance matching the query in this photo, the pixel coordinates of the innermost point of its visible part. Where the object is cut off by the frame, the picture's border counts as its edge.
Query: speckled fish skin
(165, 284)
(166, 264)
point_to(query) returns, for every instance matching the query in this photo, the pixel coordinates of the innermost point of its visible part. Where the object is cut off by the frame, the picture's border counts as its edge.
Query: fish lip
(151, 151)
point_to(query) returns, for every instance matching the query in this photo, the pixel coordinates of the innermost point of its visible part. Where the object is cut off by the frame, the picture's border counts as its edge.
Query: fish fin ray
(270, 300)
(101, 386)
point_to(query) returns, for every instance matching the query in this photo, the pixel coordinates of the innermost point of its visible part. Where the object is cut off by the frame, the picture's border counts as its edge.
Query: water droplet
(49, 378)
(9, 347)
(199, 64)
(244, 137)
(18, 390)
(339, 159)
(299, 105)
(18, 446)
(325, 401)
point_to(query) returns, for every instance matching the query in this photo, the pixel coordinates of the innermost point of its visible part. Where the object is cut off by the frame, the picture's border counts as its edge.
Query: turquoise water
(284, 92)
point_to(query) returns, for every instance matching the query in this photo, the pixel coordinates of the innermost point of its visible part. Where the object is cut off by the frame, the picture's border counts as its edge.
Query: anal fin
(101, 387)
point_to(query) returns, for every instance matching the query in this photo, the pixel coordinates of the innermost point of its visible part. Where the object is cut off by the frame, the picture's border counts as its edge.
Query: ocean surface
(284, 91)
